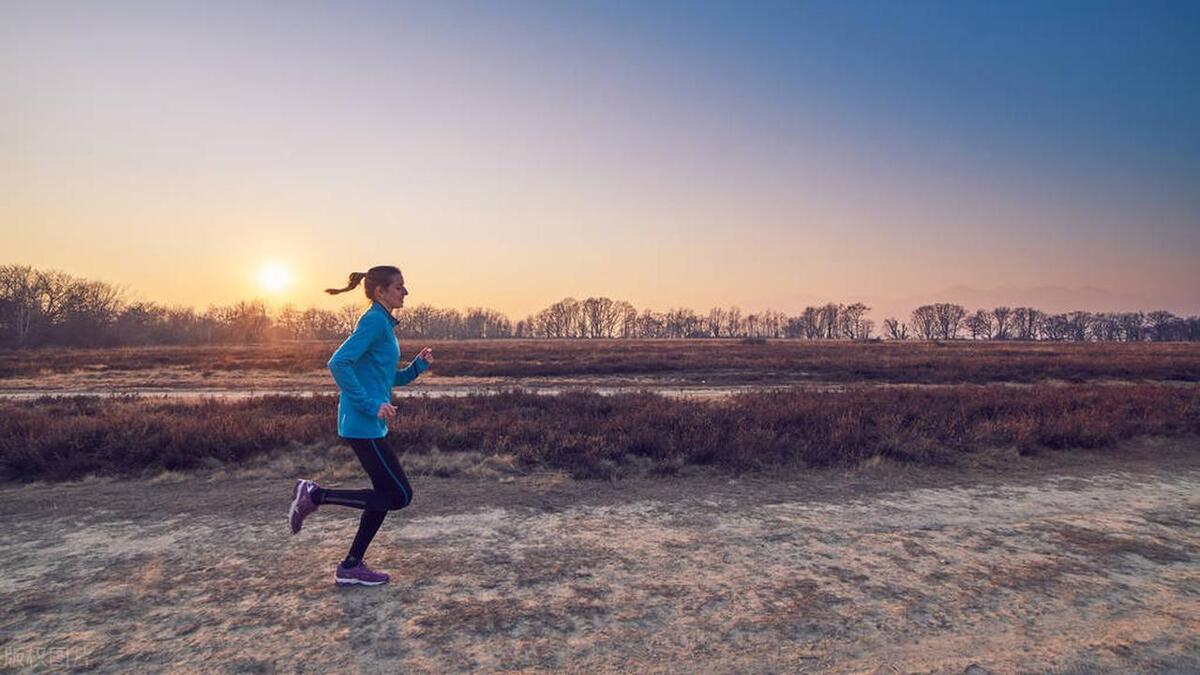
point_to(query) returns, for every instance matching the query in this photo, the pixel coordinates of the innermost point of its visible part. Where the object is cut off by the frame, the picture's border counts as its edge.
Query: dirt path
(1048, 566)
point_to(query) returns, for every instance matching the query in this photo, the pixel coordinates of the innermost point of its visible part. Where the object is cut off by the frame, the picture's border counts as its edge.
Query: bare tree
(827, 320)
(794, 328)
(1079, 326)
(1003, 325)
(980, 325)
(924, 322)
(417, 321)
(524, 328)
(562, 319)
(853, 322)
(88, 313)
(600, 316)
(651, 325)
(733, 321)
(18, 302)
(348, 316)
(752, 325)
(1027, 323)
(896, 330)
(629, 316)
(773, 322)
(949, 319)
(1055, 327)
(865, 328)
(714, 323)
(1164, 326)
(54, 287)
(322, 324)
(1105, 327)
(447, 323)
(141, 323)
(291, 321)
(810, 322)
(240, 322)
(1192, 328)
(682, 323)
(1132, 326)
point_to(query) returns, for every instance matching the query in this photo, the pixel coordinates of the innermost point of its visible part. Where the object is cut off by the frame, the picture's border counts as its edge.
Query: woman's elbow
(337, 366)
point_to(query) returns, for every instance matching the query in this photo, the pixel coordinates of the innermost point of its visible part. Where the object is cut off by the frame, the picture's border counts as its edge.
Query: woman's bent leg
(387, 476)
(392, 491)
(366, 500)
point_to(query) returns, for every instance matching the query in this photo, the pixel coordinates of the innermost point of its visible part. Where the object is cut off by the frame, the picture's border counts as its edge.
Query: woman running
(364, 367)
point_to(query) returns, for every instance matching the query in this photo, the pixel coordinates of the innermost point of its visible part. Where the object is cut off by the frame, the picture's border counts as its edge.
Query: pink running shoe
(360, 575)
(302, 503)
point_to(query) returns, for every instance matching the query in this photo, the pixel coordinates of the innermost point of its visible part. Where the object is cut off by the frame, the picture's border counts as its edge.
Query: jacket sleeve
(341, 364)
(410, 372)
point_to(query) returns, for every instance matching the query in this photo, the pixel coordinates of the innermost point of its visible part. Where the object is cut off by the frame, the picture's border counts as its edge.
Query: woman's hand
(386, 411)
(427, 354)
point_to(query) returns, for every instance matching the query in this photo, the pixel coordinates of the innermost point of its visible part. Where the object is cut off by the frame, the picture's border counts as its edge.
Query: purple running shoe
(360, 575)
(302, 503)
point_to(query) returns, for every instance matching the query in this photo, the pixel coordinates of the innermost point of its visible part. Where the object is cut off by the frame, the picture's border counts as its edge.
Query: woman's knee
(398, 500)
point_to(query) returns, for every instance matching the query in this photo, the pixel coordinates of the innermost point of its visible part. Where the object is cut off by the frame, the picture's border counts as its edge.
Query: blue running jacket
(364, 367)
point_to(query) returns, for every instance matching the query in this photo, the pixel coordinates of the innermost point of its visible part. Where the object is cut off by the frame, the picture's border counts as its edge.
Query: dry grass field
(725, 361)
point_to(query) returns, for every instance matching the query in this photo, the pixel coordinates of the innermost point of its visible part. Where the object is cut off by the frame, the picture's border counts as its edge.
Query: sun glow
(274, 277)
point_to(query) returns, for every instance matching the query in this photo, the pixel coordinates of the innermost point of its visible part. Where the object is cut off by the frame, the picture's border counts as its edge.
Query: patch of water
(440, 392)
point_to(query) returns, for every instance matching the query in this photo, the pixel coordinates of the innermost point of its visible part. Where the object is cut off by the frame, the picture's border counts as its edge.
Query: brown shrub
(591, 435)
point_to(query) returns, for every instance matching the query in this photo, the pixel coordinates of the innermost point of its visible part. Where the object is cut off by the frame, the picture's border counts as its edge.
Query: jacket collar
(376, 307)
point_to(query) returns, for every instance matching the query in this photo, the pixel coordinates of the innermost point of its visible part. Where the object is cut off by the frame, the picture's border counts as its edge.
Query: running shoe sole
(293, 511)
(356, 582)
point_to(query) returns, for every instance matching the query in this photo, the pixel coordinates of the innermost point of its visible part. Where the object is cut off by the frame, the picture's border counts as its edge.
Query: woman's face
(392, 295)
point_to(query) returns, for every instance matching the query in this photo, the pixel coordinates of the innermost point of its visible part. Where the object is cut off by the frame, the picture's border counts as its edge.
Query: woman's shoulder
(369, 321)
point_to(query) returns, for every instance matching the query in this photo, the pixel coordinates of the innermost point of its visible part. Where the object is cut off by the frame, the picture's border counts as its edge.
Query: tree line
(40, 307)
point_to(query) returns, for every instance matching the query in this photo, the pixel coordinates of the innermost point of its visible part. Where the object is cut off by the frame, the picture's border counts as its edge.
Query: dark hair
(376, 277)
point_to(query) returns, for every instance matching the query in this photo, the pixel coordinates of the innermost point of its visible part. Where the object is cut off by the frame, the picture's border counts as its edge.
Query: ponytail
(375, 277)
(355, 279)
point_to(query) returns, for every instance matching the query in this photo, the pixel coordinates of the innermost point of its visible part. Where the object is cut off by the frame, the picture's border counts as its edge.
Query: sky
(690, 154)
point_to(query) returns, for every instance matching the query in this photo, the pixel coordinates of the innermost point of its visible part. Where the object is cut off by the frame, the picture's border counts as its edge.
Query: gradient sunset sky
(764, 154)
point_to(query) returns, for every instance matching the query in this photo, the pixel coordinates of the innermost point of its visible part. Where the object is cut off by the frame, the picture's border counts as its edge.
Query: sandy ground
(1070, 563)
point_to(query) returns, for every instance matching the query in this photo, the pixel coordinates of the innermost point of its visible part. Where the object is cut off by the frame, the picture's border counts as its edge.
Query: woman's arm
(417, 366)
(341, 364)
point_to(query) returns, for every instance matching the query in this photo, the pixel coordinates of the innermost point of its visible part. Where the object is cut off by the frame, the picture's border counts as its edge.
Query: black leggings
(392, 491)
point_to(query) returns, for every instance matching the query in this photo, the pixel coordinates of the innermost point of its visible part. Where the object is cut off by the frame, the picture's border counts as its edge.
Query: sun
(274, 277)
